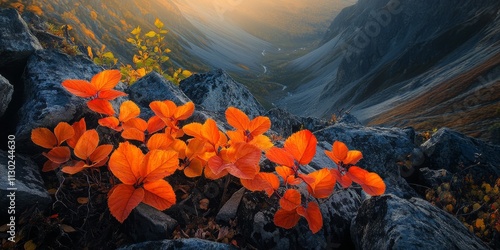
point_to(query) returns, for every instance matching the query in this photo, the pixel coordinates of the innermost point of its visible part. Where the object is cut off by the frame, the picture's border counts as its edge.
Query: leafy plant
(154, 149)
(151, 55)
(474, 202)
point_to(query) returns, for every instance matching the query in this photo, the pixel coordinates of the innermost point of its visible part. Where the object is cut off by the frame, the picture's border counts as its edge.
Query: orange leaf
(58, 154)
(237, 118)
(288, 175)
(322, 184)
(280, 156)
(165, 110)
(286, 219)
(155, 124)
(341, 154)
(87, 144)
(128, 110)
(133, 134)
(261, 141)
(101, 106)
(210, 132)
(185, 111)
(357, 174)
(49, 166)
(373, 185)
(302, 145)
(110, 94)
(106, 79)
(136, 123)
(160, 141)
(195, 168)
(159, 194)
(43, 137)
(267, 182)
(158, 164)
(79, 166)
(110, 122)
(101, 153)
(193, 129)
(344, 180)
(79, 88)
(63, 131)
(313, 216)
(259, 125)
(209, 174)
(123, 199)
(291, 200)
(79, 128)
(125, 163)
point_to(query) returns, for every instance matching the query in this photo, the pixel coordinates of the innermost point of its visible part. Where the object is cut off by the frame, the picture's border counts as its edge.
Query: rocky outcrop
(16, 41)
(22, 184)
(216, 91)
(389, 222)
(450, 150)
(6, 91)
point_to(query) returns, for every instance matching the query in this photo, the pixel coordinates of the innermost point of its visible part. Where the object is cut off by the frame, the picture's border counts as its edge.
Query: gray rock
(28, 184)
(450, 150)
(46, 102)
(434, 178)
(230, 208)
(216, 91)
(257, 213)
(382, 147)
(154, 87)
(347, 118)
(180, 244)
(283, 122)
(389, 222)
(6, 91)
(148, 223)
(16, 41)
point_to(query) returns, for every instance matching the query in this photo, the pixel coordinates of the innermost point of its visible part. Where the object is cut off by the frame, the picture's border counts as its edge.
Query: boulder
(26, 183)
(229, 210)
(154, 87)
(216, 91)
(148, 223)
(16, 41)
(389, 222)
(6, 91)
(382, 147)
(450, 150)
(46, 102)
(179, 244)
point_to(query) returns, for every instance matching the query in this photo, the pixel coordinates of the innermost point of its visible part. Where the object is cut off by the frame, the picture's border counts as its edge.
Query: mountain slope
(406, 63)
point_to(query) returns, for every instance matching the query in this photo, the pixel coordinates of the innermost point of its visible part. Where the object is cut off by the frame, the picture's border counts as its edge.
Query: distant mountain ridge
(426, 64)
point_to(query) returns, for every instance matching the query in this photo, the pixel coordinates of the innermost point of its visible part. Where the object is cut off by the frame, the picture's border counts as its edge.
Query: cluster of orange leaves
(208, 151)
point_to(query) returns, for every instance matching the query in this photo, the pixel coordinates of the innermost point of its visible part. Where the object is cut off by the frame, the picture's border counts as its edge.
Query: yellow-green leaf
(131, 40)
(158, 23)
(136, 31)
(476, 206)
(150, 34)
